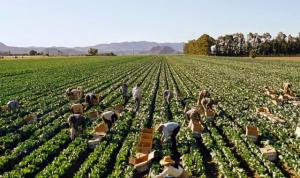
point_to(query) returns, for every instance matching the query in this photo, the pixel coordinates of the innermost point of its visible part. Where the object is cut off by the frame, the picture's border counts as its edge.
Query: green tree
(32, 53)
(92, 52)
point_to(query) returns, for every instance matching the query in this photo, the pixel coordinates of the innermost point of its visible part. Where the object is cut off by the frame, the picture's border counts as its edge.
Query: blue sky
(88, 22)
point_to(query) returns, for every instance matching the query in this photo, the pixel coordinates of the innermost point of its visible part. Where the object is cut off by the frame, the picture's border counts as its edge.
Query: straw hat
(119, 108)
(166, 160)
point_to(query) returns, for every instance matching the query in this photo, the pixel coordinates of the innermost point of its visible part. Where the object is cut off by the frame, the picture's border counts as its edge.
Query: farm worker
(287, 89)
(74, 92)
(193, 114)
(91, 99)
(13, 105)
(124, 92)
(109, 117)
(136, 94)
(77, 124)
(169, 130)
(77, 108)
(207, 103)
(171, 169)
(168, 96)
(180, 99)
(203, 94)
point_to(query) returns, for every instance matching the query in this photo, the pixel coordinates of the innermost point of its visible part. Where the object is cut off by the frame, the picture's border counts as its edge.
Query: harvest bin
(252, 133)
(93, 114)
(269, 152)
(101, 129)
(142, 162)
(30, 117)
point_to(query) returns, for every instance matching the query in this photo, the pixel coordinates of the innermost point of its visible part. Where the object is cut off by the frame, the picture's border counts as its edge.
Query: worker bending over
(109, 117)
(168, 96)
(13, 105)
(169, 130)
(203, 94)
(77, 124)
(72, 92)
(91, 99)
(77, 108)
(171, 169)
(193, 114)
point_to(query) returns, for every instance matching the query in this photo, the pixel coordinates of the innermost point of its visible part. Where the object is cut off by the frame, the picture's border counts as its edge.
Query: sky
(88, 22)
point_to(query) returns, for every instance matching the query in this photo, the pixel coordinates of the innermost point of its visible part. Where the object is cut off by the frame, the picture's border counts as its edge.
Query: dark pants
(125, 98)
(173, 137)
(137, 104)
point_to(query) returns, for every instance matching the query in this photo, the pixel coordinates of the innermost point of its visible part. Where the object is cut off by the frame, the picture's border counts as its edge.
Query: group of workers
(77, 121)
(169, 130)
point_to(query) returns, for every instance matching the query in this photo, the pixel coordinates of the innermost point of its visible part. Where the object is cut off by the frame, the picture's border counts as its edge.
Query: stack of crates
(146, 141)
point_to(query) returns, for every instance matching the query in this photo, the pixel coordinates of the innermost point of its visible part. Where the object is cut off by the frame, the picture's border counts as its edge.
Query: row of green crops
(43, 148)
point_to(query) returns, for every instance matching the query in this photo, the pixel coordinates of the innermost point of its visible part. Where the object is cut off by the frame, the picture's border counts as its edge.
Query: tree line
(238, 45)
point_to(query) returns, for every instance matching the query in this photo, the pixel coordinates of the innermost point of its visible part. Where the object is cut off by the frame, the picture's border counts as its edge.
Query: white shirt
(136, 92)
(170, 171)
(108, 114)
(168, 129)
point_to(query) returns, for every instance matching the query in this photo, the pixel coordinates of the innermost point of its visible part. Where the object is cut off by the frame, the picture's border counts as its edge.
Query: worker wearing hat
(171, 169)
(13, 105)
(169, 130)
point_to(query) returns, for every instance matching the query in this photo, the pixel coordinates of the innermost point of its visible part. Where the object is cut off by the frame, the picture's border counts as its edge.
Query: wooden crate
(269, 152)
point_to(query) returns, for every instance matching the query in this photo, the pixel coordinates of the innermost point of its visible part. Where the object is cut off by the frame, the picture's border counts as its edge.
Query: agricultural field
(43, 148)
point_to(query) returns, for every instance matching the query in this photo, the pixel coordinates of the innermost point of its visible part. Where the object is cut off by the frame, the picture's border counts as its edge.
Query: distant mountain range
(138, 47)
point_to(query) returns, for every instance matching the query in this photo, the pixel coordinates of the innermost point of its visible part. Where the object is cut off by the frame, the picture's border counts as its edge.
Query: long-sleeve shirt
(170, 171)
(168, 130)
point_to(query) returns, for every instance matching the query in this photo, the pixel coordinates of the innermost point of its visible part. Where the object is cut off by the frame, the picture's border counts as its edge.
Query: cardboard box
(146, 136)
(252, 133)
(93, 114)
(263, 110)
(147, 130)
(101, 129)
(30, 117)
(142, 161)
(269, 152)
